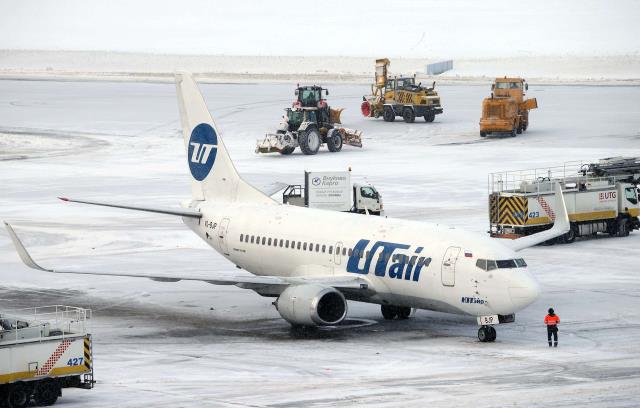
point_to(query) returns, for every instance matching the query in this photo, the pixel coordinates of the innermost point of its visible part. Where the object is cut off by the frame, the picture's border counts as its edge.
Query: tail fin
(213, 175)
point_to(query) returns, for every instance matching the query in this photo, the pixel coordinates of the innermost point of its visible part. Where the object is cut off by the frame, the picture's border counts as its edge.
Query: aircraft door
(448, 271)
(222, 235)
(337, 255)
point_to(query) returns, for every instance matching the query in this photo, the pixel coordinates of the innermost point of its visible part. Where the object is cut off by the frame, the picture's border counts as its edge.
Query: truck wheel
(310, 141)
(388, 114)
(513, 132)
(18, 396)
(623, 231)
(46, 393)
(483, 134)
(519, 130)
(287, 150)
(429, 117)
(525, 126)
(570, 236)
(334, 141)
(408, 115)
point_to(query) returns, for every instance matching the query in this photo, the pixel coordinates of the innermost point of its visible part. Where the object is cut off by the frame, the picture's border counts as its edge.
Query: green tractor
(309, 123)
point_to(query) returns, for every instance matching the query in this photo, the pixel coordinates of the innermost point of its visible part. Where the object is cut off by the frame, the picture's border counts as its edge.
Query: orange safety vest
(551, 320)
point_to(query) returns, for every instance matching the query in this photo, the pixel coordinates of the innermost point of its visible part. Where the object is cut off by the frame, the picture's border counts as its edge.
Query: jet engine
(312, 305)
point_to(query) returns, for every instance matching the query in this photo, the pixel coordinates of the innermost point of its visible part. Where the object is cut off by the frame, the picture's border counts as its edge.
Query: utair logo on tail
(203, 147)
(403, 266)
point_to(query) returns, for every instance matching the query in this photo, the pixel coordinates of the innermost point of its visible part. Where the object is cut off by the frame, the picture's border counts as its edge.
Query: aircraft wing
(267, 285)
(560, 226)
(182, 212)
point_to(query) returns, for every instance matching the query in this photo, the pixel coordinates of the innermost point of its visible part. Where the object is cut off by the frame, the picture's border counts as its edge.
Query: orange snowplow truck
(506, 111)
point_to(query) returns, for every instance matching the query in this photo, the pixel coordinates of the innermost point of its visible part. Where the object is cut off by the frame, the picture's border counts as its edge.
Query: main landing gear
(487, 334)
(391, 312)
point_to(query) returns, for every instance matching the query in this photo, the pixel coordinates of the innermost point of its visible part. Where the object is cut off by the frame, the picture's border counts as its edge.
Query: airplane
(312, 261)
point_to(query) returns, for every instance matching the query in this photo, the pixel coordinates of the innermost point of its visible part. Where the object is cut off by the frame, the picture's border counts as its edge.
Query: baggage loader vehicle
(601, 197)
(43, 350)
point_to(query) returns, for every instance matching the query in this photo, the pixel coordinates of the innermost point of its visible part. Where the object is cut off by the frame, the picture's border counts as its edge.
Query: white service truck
(601, 197)
(332, 190)
(43, 350)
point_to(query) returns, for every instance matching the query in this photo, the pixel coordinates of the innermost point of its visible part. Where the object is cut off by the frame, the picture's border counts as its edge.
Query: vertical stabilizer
(213, 176)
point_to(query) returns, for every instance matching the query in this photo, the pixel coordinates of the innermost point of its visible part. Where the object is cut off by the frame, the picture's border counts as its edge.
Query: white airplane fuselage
(407, 263)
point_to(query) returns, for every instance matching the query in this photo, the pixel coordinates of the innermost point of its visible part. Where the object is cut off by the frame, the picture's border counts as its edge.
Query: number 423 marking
(75, 361)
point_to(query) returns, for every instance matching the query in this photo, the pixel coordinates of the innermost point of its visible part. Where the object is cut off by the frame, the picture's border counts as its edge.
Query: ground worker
(552, 321)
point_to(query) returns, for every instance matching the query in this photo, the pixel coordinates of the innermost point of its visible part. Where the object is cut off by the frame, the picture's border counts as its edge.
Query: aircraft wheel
(408, 115)
(404, 313)
(334, 141)
(492, 333)
(388, 114)
(484, 334)
(389, 312)
(310, 141)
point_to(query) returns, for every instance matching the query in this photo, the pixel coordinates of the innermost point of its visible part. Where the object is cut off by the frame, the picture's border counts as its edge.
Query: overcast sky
(458, 28)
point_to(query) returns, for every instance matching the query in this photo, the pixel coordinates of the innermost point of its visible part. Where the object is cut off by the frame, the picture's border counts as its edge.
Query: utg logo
(203, 147)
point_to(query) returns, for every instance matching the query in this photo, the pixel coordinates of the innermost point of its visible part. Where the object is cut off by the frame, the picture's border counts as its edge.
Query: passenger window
(310, 246)
(324, 247)
(281, 243)
(304, 247)
(264, 239)
(331, 250)
(241, 237)
(317, 247)
(286, 244)
(252, 238)
(298, 244)
(482, 264)
(350, 251)
(258, 240)
(269, 242)
(344, 251)
(491, 265)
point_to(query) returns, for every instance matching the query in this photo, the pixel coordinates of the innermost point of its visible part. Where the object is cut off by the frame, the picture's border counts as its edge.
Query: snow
(193, 344)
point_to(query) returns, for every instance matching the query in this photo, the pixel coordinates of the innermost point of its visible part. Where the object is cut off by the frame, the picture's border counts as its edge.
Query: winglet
(560, 227)
(22, 251)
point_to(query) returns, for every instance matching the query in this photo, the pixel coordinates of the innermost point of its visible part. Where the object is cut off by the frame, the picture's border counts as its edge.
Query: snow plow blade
(335, 115)
(351, 137)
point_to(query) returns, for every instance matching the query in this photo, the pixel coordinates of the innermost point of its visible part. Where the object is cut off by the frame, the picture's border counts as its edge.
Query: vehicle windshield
(630, 194)
(310, 97)
(507, 85)
(368, 192)
(490, 264)
(294, 118)
(406, 82)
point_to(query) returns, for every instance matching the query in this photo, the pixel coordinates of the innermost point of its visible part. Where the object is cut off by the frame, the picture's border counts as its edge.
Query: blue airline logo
(203, 146)
(394, 265)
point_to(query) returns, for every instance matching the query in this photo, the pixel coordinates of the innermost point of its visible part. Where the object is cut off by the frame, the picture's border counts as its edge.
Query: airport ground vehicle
(600, 197)
(309, 123)
(506, 111)
(333, 191)
(43, 350)
(399, 96)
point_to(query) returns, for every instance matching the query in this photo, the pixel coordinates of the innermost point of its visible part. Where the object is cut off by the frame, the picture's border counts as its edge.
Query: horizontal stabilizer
(182, 212)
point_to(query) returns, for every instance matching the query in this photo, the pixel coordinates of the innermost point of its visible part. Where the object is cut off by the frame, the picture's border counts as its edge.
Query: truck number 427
(75, 361)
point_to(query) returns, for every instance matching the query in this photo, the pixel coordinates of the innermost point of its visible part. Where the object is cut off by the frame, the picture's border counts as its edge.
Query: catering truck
(601, 197)
(332, 190)
(43, 350)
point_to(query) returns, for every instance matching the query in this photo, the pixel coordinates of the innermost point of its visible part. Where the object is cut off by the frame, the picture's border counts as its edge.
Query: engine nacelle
(312, 305)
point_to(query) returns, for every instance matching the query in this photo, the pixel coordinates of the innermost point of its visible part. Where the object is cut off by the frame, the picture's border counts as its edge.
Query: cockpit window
(507, 263)
(490, 264)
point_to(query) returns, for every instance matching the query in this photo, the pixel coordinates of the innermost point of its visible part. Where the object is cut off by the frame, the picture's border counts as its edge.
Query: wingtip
(63, 198)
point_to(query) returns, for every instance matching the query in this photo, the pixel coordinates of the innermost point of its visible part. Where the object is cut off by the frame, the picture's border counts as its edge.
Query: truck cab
(366, 198)
(510, 87)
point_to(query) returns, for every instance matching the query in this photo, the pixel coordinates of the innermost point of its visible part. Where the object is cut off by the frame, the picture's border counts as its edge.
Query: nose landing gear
(487, 334)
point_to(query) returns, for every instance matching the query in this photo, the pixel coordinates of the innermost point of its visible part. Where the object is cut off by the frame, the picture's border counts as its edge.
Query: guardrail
(45, 322)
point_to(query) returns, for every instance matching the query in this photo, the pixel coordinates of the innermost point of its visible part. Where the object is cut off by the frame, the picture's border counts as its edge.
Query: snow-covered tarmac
(194, 344)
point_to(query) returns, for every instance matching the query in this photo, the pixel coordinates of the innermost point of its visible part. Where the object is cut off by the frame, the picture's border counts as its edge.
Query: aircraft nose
(523, 290)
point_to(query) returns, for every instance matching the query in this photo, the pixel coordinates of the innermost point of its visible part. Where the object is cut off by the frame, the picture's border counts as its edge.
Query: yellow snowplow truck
(506, 111)
(399, 96)
(601, 197)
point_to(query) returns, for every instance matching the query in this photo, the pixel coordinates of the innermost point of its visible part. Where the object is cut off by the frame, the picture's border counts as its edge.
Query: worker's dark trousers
(552, 330)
